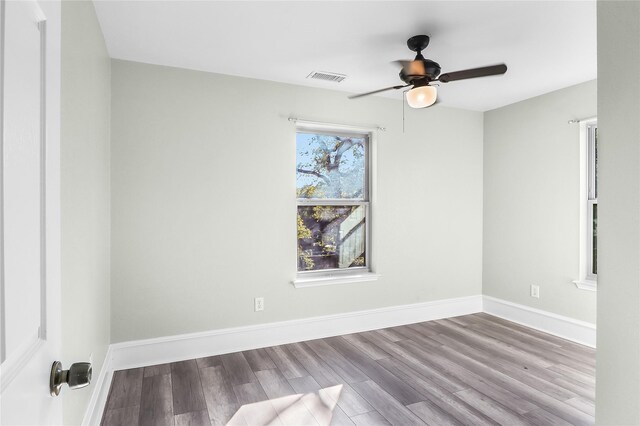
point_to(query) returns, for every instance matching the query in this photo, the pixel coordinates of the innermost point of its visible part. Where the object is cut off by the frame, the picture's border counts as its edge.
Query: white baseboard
(568, 328)
(93, 414)
(188, 346)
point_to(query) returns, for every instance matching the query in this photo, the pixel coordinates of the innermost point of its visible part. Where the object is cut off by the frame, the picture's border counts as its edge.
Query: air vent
(327, 76)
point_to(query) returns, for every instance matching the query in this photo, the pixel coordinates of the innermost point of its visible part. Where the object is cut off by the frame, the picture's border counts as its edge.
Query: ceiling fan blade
(473, 73)
(378, 91)
(415, 67)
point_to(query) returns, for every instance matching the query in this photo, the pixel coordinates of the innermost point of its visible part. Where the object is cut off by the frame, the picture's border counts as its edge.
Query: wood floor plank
(274, 383)
(577, 348)
(481, 384)
(540, 417)
(372, 351)
(510, 338)
(289, 405)
(440, 397)
(156, 405)
(583, 405)
(249, 393)
(481, 321)
(389, 334)
(305, 384)
(255, 407)
(337, 362)
(539, 398)
(186, 387)
(431, 329)
(461, 344)
(259, 360)
(293, 411)
(287, 364)
(194, 418)
(432, 415)
(350, 401)
(574, 374)
(497, 347)
(318, 369)
(219, 396)
(155, 370)
(490, 408)
(587, 361)
(388, 406)
(210, 361)
(580, 389)
(449, 383)
(411, 332)
(372, 418)
(340, 418)
(321, 402)
(404, 393)
(463, 320)
(126, 388)
(238, 369)
(127, 416)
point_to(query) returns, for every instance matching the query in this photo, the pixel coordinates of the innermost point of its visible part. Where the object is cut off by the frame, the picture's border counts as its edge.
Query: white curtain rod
(576, 120)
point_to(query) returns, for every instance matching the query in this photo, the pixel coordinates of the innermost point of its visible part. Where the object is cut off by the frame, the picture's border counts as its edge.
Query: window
(592, 201)
(589, 208)
(333, 205)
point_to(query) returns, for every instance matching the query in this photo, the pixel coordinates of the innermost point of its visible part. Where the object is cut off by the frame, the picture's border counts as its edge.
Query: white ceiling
(547, 45)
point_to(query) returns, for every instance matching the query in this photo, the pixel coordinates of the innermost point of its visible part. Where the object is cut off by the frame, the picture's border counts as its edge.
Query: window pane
(595, 162)
(330, 166)
(594, 259)
(331, 237)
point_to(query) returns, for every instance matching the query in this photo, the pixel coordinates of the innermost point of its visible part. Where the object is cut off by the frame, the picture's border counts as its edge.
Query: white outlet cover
(259, 304)
(535, 291)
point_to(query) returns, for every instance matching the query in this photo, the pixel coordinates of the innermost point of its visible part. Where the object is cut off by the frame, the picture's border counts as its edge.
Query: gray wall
(618, 375)
(532, 201)
(203, 202)
(85, 195)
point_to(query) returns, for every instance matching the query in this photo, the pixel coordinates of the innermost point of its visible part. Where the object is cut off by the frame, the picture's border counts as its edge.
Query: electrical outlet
(258, 304)
(535, 291)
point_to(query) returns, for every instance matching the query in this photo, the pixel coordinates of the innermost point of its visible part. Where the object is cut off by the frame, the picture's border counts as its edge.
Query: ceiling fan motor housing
(431, 68)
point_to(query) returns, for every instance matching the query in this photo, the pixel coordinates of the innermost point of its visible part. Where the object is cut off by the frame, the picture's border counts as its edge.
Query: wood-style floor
(471, 370)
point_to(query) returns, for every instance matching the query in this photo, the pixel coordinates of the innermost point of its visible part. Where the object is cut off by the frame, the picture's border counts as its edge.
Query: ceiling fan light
(422, 96)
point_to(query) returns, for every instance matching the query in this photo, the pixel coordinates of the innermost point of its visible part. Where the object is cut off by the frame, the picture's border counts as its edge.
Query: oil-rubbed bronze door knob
(77, 376)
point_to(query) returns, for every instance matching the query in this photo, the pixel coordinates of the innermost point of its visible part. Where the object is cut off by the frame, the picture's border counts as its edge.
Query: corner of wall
(85, 198)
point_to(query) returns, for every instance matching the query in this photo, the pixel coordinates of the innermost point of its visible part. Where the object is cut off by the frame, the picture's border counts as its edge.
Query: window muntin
(332, 188)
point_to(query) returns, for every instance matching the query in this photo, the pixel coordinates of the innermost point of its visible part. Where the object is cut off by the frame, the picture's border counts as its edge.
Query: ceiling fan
(421, 72)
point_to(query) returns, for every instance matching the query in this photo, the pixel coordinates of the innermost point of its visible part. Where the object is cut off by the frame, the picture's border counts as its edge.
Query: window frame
(356, 273)
(592, 197)
(588, 198)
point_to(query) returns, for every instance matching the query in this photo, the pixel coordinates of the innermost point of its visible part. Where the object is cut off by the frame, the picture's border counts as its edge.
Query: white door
(29, 247)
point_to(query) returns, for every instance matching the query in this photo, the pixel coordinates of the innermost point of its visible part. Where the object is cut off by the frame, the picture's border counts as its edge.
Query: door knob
(77, 376)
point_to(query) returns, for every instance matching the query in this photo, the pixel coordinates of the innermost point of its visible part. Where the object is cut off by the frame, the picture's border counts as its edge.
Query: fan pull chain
(404, 92)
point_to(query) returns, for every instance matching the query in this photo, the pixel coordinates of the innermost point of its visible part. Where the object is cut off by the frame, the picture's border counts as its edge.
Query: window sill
(346, 279)
(588, 285)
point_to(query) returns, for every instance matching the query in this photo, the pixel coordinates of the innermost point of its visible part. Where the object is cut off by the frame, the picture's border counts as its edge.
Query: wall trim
(568, 328)
(187, 346)
(95, 408)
